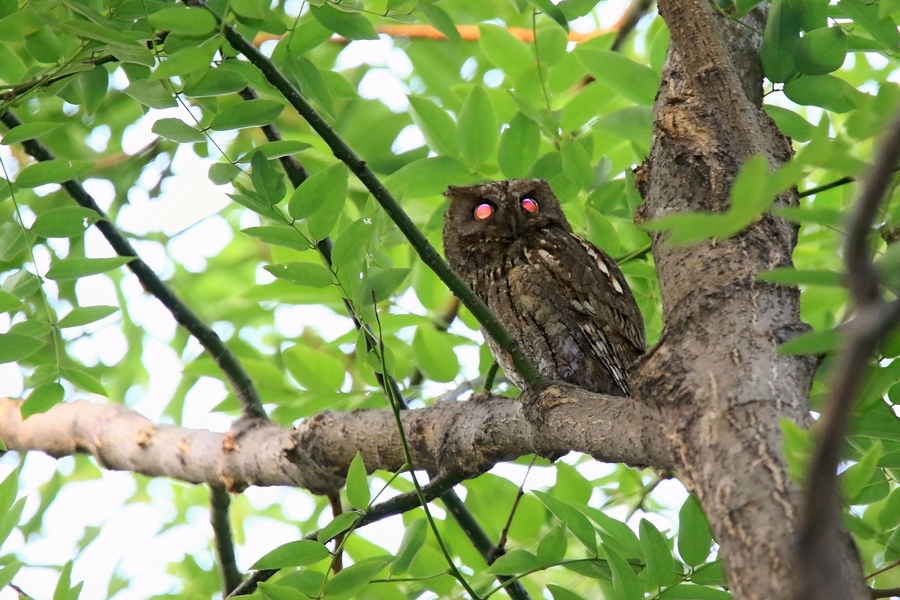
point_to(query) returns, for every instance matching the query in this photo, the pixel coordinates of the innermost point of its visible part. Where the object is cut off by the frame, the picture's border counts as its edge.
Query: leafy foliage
(82, 75)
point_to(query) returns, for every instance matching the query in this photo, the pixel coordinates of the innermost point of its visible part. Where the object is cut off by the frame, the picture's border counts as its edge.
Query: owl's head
(500, 211)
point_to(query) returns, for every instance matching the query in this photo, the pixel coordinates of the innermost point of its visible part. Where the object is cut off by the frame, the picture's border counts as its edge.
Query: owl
(562, 299)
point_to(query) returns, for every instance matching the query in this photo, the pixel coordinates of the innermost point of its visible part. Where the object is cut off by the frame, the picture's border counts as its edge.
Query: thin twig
(629, 20)
(501, 545)
(251, 406)
(219, 501)
(887, 567)
(818, 540)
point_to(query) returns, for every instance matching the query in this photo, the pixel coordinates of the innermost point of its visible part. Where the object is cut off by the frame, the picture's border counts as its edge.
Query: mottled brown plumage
(562, 299)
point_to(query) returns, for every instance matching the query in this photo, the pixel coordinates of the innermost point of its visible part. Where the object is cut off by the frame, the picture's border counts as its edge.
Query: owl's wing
(627, 314)
(591, 298)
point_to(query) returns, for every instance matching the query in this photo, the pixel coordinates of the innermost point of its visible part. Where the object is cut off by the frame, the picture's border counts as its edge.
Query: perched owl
(562, 299)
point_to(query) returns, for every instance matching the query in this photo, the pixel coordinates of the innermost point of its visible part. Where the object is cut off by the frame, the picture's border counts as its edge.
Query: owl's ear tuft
(450, 190)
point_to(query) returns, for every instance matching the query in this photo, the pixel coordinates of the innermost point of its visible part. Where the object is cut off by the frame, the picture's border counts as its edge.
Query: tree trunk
(716, 374)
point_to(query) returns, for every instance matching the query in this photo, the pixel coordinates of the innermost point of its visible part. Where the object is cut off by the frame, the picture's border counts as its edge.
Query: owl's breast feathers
(578, 299)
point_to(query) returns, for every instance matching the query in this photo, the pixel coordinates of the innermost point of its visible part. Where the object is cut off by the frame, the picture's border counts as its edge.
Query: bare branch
(886, 593)
(819, 542)
(459, 437)
(251, 406)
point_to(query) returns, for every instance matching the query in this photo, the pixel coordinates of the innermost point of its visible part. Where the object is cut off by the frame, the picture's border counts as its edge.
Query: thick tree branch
(345, 153)
(819, 548)
(458, 437)
(251, 406)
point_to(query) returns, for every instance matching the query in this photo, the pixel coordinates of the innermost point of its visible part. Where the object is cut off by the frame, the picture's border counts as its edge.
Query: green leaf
(687, 591)
(314, 369)
(657, 556)
(82, 315)
(694, 537)
(351, 25)
(436, 125)
(28, 131)
(323, 220)
(821, 51)
(9, 489)
(358, 484)
(428, 176)
(477, 126)
(351, 241)
(309, 582)
(42, 398)
(515, 562)
(614, 533)
(222, 173)
(781, 35)
(302, 273)
(412, 542)
(439, 18)
(552, 11)
(827, 91)
(814, 342)
(355, 577)
(11, 518)
(293, 554)
(65, 221)
(552, 548)
(625, 581)
(194, 21)
(95, 31)
(793, 276)
(575, 521)
(325, 187)
(312, 84)
(216, 82)
(434, 354)
(249, 113)
(855, 477)
(276, 149)
(633, 123)
(338, 525)
(74, 268)
(51, 171)
(576, 163)
(271, 591)
(383, 284)
(151, 93)
(178, 131)
(559, 593)
(8, 573)
(631, 80)
(280, 235)
(187, 60)
(790, 123)
(15, 347)
(9, 302)
(883, 29)
(267, 181)
(83, 380)
(519, 145)
(504, 49)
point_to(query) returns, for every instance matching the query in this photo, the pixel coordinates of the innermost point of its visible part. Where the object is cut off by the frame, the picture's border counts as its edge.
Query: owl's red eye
(529, 205)
(483, 211)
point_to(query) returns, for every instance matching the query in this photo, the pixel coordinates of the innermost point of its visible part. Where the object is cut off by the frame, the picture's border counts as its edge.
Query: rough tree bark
(715, 373)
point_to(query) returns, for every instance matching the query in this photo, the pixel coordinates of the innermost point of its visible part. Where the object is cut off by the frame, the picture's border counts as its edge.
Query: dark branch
(886, 593)
(251, 406)
(219, 501)
(818, 556)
